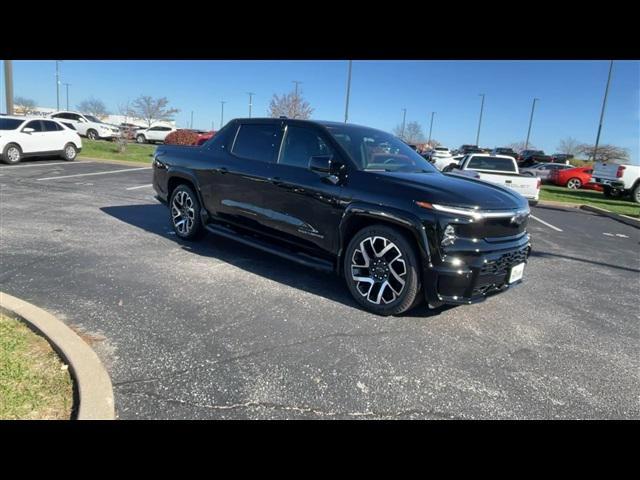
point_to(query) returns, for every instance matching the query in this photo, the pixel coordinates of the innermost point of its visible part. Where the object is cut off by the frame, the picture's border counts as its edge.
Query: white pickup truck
(618, 179)
(500, 170)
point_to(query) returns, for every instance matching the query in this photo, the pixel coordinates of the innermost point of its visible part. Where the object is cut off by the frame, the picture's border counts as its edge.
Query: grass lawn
(34, 383)
(590, 197)
(109, 151)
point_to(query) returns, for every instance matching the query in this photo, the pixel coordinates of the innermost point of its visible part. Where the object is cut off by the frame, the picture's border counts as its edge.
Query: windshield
(91, 118)
(374, 150)
(10, 123)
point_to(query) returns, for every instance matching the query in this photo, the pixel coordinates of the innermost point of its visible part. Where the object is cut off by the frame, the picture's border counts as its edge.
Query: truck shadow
(154, 219)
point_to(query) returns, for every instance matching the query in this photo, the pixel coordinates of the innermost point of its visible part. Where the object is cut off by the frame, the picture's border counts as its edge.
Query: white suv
(87, 125)
(29, 137)
(153, 134)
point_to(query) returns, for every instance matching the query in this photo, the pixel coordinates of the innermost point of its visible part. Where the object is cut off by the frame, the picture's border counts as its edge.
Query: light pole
(251, 94)
(604, 104)
(431, 128)
(8, 83)
(404, 118)
(58, 85)
(295, 111)
(480, 120)
(67, 86)
(191, 124)
(222, 102)
(346, 107)
(533, 107)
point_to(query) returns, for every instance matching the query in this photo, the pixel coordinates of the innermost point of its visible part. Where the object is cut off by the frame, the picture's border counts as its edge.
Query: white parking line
(547, 224)
(139, 186)
(47, 164)
(95, 173)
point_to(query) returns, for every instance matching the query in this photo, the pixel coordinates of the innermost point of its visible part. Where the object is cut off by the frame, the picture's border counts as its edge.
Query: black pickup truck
(351, 200)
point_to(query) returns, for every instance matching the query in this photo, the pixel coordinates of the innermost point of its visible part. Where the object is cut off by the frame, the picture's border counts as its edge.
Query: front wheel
(92, 135)
(140, 139)
(381, 270)
(635, 194)
(574, 183)
(70, 152)
(184, 210)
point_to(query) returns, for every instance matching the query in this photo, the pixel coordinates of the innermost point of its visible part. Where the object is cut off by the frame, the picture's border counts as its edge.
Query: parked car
(22, 137)
(351, 200)
(561, 157)
(87, 125)
(204, 136)
(153, 134)
(441, 157)
(504, 151)
(129, 130)
(528, 158)
(543, 170)
(574, 178)
(466, 149)
(500, 170)
(618, 179)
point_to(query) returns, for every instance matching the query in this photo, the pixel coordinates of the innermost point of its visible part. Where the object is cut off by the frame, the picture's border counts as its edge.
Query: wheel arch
(358, 216)
(178, 177)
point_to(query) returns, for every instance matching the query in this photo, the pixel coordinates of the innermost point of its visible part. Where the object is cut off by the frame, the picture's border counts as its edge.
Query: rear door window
(50, 126)
(257, 141)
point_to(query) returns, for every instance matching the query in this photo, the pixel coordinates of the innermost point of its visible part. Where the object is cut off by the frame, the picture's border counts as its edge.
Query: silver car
(543, 170)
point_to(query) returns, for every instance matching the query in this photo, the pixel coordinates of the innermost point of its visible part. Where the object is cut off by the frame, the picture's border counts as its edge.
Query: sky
(570, 94)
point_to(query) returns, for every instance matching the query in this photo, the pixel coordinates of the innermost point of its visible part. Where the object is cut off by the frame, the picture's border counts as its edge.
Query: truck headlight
(449, 236)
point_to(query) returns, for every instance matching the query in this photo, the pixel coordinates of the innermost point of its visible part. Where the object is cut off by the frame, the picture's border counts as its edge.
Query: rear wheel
(574, 183)
(12, 154)
(635, 193)
(184, 209)
(92, 135)
(70, 152)
(140, 139)
(381, 269)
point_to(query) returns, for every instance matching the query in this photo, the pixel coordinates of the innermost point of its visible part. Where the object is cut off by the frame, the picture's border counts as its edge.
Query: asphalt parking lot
(218, 330)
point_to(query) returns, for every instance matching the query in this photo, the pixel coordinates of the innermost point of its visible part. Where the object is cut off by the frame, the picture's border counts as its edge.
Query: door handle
(222, 170)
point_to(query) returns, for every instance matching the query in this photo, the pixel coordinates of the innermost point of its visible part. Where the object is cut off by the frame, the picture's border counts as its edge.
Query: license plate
(516, 273)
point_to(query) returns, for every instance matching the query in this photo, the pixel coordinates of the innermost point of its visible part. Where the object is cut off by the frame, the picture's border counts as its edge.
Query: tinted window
(10, 123)
(36, 125)
(50, 126)
(69, 125)
(491, 163)
(300, 144)
(256, 142)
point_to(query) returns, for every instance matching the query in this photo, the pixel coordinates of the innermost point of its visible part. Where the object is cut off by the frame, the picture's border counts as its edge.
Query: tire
(184, 213)
(12, 154)
(635, 194)
(533, 203)
(70, 152)
(92, 135)
(141, 139)
(383, 292)
(574, 183)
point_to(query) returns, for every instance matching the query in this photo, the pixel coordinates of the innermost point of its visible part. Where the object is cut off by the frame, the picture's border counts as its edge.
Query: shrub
(181, 137)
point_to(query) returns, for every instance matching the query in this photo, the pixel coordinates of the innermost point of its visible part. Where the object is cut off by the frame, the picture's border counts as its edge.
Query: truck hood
(454, 190)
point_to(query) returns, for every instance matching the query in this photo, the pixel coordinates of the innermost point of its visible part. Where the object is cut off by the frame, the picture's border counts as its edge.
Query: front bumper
(478, 276)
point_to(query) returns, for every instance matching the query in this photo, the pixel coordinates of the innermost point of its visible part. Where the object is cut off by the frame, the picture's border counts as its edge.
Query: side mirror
(320, 163)
(28, 130)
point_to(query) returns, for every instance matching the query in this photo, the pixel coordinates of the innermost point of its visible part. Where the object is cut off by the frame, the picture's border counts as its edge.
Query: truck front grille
(502, 264)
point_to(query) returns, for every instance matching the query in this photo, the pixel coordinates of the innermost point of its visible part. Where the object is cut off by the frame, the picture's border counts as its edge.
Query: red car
(203, 137)
(574, 178)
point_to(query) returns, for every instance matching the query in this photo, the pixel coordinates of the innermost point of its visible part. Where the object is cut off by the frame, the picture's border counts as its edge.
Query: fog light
(449, 236)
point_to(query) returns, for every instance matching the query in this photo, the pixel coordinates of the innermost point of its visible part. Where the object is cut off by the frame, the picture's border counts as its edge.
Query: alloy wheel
(574, 183)
(13, 154)
(183, 213)
(378, 270)
(70, 152)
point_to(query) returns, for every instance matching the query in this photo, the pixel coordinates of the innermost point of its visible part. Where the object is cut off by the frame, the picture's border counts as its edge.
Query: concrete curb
(551, 203)
(116, 162)
(616, 216)
(95, 391)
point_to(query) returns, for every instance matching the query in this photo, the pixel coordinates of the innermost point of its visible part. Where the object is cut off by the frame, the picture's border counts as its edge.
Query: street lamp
(8, 82)
(480, 120)
(251, 94)
(604, 104)
(404, 118)
(67, 86)
(431, 128)
(346, 107)
(222, 102)
(58, 85)
(533, 107)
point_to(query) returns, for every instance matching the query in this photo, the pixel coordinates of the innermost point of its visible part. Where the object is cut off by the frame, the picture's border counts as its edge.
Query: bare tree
(94, 107)
(519, 146)
(412, 132)
(153, 110)
(290, 105)
(24, 106)
(568, 145)
(605, 152)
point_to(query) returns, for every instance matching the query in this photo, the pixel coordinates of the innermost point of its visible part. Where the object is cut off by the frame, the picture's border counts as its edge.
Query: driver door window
(299, 145)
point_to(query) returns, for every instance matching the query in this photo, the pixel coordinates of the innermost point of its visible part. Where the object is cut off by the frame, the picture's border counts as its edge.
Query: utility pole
(346, 108)
(480, 121)
(222, 102)
(604, 104)
(533, 107)
(404, 118)
(67, 85)
(295, 112)
(251, 94)
(431, 127)
(8, 83)
(58, 85)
